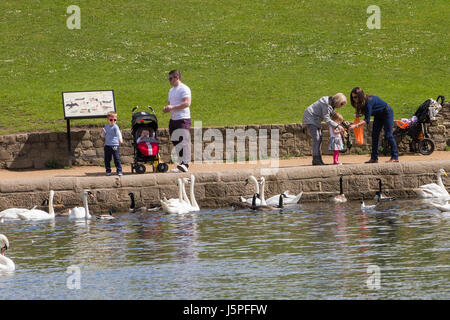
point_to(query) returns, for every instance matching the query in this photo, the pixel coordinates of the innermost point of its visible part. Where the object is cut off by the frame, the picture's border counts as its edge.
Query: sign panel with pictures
(88, 104)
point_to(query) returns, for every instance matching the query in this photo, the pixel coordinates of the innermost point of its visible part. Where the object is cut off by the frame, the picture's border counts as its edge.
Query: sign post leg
(69, 144)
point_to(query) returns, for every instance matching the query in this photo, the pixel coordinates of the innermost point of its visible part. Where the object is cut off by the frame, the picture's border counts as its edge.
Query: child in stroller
(416, 127)
(144, 128)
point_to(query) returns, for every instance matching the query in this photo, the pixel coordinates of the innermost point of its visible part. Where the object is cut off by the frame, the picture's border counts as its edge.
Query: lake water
(309, 251)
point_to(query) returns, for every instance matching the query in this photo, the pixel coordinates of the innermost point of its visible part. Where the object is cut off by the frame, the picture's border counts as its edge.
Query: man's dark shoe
(372, 161)
(317, 161)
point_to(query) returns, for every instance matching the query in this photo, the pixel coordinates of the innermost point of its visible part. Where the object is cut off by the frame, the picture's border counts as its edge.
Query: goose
(256, 190)
(6, 264)
(379, 196)
(178, 206)
(274, 200)
(36, 214)
(133, 208)
(433, 190)
(267, 207)
(81, 212)
(340, 198)
(143, 209)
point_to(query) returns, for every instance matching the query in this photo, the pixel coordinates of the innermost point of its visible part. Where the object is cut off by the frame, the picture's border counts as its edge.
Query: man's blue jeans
(383, 119)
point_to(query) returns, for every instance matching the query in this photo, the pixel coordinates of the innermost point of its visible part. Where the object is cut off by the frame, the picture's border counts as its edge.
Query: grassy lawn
(246, 62)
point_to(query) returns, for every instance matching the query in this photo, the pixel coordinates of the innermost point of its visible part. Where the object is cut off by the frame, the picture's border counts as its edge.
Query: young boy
(113, 137)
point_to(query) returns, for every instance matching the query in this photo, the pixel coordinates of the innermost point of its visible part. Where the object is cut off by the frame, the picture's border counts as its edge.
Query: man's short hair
(175, 73)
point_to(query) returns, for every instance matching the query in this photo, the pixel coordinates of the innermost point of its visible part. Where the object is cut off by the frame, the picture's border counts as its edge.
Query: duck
(274, 200)
(379, 196)
(368, 207)
(82, 212)
(36, 214)
(252, 179)
(340, 198)
(434, 190)
(106, 216)
(175, 205)
(6, 264)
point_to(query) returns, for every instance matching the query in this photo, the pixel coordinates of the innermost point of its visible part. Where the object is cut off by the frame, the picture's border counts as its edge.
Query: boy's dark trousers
(112, 152)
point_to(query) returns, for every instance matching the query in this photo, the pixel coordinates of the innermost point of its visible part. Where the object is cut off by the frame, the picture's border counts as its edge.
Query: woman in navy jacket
(383, 117)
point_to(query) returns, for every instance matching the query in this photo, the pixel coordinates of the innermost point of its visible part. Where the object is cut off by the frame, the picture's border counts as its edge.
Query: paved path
(291, 162)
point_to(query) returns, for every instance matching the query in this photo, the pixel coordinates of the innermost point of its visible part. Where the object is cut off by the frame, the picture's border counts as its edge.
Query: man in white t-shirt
(180, 118)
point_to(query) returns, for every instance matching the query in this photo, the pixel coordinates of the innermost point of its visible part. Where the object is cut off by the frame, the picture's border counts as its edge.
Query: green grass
(246, 62)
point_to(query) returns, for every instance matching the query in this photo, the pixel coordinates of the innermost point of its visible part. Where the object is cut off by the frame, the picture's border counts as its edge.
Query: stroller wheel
(140, 168)
(426, 146)
(162, 167)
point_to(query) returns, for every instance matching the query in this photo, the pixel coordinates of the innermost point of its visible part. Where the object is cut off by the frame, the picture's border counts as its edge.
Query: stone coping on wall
(220, 188)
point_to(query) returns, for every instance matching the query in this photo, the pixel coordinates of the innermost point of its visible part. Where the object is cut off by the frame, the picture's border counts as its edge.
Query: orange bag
(359, 132)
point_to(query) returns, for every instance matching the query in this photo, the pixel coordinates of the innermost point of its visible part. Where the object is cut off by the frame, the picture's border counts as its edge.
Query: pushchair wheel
(162, 167)
(140, 168)
(426, 146)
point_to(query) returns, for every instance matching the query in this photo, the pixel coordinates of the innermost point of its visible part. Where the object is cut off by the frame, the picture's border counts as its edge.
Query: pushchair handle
(153, 111)
(132, 110)
(442, 99)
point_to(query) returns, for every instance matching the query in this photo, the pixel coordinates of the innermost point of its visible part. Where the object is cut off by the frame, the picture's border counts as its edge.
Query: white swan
(275, 200)
(35, 214)
(340, 198)
(256, 190)
(192, 202)
(11, 213)
(442, 207)
(81, 212)
(175, 205)
(433, 190)
(6, 264)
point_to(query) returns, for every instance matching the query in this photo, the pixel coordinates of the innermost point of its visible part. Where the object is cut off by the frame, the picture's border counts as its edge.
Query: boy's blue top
(112, 136)
(373, 105)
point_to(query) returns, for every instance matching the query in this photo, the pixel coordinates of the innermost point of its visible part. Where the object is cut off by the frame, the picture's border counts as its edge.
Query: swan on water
(176, 205)
(256, 190)
(433, 190)
(274, 200)
(142, 209)
(82, 212)
(6, 264)
(192, 202)
(36, 215)
(11, 213)
(340, 198)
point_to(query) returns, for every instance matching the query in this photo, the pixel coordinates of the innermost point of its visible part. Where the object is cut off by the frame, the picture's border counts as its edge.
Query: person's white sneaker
(175, 170)
(182, 168)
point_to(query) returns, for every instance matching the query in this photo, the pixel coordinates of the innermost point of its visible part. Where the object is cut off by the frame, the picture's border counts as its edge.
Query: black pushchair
(144, 129)
(417, 128)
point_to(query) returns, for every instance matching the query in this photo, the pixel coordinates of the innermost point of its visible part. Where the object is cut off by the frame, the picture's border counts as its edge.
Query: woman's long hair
(362, 100)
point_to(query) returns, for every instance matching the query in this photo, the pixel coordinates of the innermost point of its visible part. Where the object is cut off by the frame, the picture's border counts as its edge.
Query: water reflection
(312, 250)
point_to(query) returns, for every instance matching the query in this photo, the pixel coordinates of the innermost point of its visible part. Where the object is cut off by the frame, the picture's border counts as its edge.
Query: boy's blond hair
(111, 114)
(337, 117)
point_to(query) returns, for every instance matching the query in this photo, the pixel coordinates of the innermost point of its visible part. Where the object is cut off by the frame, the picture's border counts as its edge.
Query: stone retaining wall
(40, 150)
(220, 189)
